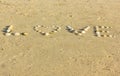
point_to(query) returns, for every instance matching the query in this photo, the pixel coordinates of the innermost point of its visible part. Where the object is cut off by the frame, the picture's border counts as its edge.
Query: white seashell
(71, 30)
(87, 28)
(46, 34)
(68, 27)
(8, 30)
(78, 33)
(38, 30)
(83, 32)
(10, 27)
(16, 34)
(98, 33)
(102, 26)
(35, 28)
(58, 28)
(96, 28)
(7, 34)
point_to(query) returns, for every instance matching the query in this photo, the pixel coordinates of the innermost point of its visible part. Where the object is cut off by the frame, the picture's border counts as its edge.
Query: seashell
(98, 33)
(78, 33)
(45, 33)
(71, 30)
(87, 28)
(54, 31)
(58, 28)
(8, 31)
(35, 28)
(96, 28)
(10, 27)
(101, 26)
(7, 34)
(38, 30)
(83, 32)
(38, 26)
(103, 35)
(24, 34)
(69, 27)
(17, 34)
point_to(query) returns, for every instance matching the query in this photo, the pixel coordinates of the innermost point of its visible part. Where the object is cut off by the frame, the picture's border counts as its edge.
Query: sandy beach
(62, 53)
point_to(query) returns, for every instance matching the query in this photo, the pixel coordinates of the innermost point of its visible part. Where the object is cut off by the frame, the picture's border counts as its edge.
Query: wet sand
(63, 53)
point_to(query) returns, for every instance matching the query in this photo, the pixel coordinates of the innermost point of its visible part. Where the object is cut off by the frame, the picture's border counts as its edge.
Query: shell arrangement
(78, 32)
(101, 31)
(54, 30)
(8, 31)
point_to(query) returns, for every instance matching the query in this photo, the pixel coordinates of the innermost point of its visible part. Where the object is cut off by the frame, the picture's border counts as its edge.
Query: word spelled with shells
(101, 31)
(8, 32)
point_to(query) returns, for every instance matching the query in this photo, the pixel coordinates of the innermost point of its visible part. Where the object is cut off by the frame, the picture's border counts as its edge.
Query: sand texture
(62, 53)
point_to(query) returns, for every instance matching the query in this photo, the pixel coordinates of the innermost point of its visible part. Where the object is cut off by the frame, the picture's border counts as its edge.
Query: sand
(63, 53)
